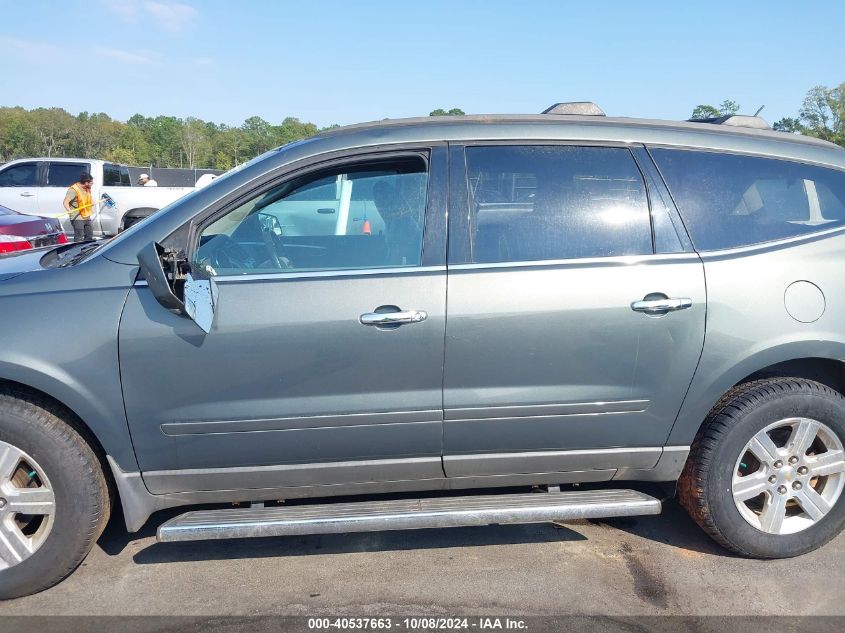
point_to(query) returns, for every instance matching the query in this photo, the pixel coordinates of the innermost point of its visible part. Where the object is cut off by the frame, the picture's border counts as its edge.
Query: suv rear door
(551, 364)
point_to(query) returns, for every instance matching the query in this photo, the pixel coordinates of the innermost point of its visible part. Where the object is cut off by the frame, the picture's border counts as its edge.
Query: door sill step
(406, 514)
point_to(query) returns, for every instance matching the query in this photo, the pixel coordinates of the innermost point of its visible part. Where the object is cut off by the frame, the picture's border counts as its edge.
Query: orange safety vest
(83, 201)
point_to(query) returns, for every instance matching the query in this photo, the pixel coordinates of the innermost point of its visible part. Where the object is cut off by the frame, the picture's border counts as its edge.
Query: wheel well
(69, 417)
(827, 371)
(139, 212)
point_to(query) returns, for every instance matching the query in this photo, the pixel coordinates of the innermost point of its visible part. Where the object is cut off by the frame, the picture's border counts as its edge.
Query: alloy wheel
(27, 506)
(789, 476)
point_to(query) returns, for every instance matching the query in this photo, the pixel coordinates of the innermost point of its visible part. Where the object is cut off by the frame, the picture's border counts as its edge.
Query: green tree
(442, 112)
(258, 135)
(195, 143)
(54, 128)
(788, 124)
(727, 107)
(18, 137)
(823, 113)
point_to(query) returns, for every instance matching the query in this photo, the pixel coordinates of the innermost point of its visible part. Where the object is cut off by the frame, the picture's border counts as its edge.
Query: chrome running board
(404, 514)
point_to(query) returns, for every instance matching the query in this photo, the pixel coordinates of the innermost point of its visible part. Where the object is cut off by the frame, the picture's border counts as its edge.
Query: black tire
(704, 488)
(82, 498)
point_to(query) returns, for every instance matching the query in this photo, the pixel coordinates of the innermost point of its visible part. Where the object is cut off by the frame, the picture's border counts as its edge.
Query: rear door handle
(660, 306)
(393, 318)
(26, 194)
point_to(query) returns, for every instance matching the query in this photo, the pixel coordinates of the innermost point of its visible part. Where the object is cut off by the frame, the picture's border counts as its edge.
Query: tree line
(162, 141)
(167, 141)
(822, 114)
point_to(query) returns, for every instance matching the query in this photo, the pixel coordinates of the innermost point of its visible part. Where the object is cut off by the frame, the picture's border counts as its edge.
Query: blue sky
(344, 62)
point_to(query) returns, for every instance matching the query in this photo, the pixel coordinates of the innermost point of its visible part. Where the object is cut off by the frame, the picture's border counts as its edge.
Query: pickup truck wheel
(766, 473)
(54, 498)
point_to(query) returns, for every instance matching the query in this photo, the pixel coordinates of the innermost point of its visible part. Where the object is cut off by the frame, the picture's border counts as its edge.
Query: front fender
(60, 336)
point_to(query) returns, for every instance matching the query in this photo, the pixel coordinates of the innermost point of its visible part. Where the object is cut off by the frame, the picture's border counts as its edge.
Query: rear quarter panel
(748, 326)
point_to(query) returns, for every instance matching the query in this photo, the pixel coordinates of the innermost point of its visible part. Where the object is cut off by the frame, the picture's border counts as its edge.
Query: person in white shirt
(144, 180)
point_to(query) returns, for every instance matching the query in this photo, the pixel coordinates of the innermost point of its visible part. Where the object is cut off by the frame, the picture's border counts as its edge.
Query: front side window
(25, 175)
(65, 174)
(366, 216)
(728, 200)
(531, 203)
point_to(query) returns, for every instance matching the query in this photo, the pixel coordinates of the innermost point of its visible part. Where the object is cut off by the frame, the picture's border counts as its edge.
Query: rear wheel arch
(135, 215)
(823, 365)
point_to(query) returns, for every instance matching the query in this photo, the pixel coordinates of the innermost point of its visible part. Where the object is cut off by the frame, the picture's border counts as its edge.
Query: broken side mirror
(166, 273)
(200, 301)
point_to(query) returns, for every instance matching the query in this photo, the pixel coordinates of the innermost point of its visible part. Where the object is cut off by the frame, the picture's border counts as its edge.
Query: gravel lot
(649, 565)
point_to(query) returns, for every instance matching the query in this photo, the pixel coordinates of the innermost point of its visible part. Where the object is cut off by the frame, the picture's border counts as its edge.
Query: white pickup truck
(37, 186)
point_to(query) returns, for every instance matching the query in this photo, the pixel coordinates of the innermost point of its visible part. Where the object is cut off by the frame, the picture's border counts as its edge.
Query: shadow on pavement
(673, 528)
(284, 546)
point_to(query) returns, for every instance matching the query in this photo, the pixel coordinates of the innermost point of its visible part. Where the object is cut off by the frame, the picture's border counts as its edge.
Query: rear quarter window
(728, 200)
(112, 175)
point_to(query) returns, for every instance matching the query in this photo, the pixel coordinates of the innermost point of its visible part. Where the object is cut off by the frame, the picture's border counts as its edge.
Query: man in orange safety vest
(80, 208)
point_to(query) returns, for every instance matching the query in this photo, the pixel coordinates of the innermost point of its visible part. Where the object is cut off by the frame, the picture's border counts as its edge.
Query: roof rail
(736, 120)
(583, 108)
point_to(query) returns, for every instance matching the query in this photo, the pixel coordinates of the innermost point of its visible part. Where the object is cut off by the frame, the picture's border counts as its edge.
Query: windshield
(5, 211)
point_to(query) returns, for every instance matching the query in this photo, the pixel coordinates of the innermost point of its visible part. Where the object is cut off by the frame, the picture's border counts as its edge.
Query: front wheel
(766, 473)
(54, 498)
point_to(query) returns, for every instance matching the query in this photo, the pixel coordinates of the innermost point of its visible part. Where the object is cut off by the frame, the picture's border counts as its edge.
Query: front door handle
(393, 318)
(661, 305)
(26, 194)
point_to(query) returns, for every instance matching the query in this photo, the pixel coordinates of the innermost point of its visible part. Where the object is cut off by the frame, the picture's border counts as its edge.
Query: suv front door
(299, 382)
(551, 364)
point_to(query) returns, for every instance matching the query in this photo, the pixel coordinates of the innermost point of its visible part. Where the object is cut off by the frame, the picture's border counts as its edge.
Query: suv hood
(20, 263)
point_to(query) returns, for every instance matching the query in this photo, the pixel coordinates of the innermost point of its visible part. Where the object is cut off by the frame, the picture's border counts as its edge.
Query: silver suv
(509, 302)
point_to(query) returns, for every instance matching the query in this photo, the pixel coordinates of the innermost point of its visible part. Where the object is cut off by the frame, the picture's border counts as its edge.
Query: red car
(19, 232)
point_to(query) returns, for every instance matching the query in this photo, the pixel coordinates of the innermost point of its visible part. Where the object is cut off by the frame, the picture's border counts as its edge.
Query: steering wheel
(224, 252)
(270, 243)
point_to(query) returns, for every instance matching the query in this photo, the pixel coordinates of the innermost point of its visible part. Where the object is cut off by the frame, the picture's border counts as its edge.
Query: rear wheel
(54, 498)
(766, 472)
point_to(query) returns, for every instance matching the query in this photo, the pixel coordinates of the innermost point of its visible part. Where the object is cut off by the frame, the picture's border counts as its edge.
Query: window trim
(433, 254)
(656, 186)
(460, 221)
(731, 251)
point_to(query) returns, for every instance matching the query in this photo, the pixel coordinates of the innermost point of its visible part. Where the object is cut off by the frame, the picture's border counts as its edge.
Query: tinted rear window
(111, 175)
(727, 200)
(65, 174)
(539, 202)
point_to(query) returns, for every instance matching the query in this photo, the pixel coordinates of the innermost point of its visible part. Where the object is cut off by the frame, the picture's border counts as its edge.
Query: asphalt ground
(654, 565)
